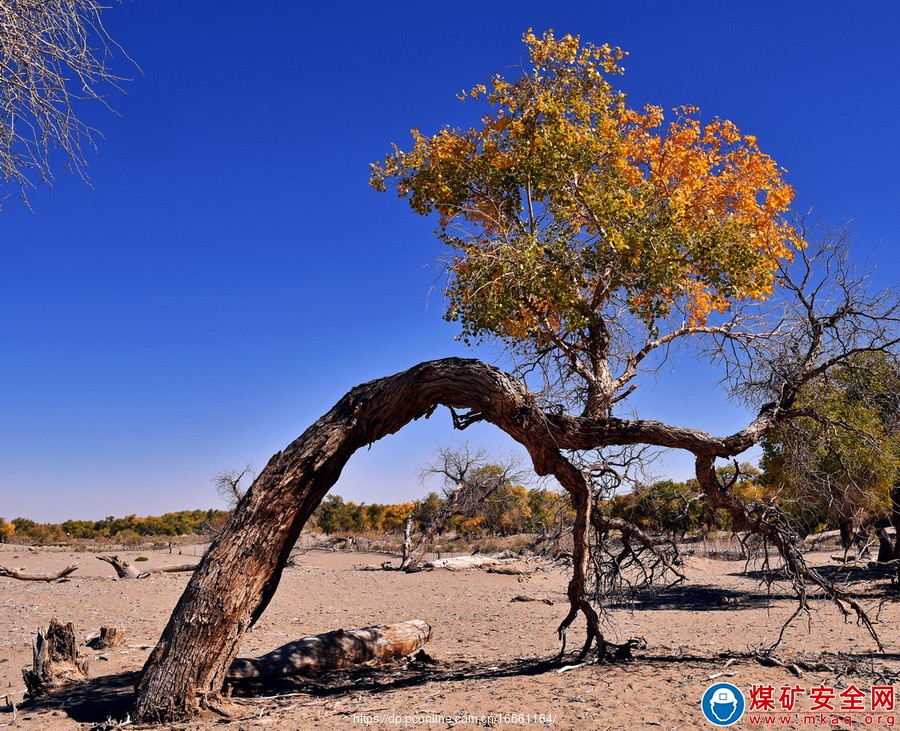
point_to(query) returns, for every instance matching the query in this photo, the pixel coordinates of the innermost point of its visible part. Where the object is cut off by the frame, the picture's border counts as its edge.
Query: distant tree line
(510, 509)
(184, 522)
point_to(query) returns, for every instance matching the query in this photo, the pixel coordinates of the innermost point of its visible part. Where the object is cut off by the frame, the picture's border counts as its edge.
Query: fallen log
(526, 598)
(317, 654)
(55, 661)
(519, 568)
(462, 563)
(125, 570)
(14, 574)
(173, 569)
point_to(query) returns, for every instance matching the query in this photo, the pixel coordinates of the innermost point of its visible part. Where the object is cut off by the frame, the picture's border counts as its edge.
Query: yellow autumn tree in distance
(590, 232)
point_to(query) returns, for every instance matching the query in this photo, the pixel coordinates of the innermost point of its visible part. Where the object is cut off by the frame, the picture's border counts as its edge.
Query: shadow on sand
(701, 598)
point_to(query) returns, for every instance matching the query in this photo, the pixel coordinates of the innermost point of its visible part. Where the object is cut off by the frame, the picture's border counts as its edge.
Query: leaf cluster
(567, 206)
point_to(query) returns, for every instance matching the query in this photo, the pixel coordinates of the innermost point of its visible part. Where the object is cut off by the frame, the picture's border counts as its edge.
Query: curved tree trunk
(238, 575)
(240, 572)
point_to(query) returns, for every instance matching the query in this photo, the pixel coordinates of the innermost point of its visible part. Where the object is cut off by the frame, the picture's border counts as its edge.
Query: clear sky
(230, 274)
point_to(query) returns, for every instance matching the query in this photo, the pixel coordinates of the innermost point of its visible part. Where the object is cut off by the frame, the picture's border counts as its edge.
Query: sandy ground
(490, 652)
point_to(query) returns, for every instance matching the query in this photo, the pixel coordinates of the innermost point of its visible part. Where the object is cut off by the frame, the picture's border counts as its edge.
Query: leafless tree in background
(229, 483)
(471, 477)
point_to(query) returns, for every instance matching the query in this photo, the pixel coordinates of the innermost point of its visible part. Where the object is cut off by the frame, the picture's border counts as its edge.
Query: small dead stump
(109, 637)
(56, 662)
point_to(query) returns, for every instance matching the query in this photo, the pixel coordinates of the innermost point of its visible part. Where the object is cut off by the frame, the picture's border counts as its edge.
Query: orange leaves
(547, 51)
(567, 203)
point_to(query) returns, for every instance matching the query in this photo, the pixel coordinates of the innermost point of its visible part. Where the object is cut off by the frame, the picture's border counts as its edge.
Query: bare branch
(54, 55)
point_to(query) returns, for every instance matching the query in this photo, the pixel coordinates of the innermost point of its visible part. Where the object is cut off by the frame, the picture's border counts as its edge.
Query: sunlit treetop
(567, 209)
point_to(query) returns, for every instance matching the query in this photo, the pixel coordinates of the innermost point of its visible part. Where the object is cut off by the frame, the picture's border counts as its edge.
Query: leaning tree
(592, 241)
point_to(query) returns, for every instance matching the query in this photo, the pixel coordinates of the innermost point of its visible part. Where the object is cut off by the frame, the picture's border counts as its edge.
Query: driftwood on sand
(125, 570)
(22, 576)
(316, 654)
(463, 563)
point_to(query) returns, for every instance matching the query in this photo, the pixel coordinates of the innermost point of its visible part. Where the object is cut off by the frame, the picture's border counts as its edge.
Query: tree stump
(56, 662)
(109, 638)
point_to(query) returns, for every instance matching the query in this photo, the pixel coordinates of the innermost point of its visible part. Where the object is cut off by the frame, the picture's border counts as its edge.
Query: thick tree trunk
(887, 549)
(317, 654)
(21, 576)
(845, 528)
(407, 540)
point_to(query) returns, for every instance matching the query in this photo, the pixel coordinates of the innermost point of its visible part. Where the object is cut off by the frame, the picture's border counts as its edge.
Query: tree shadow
(700, 598)
(391, 676)
(110, 697)
(93, 701)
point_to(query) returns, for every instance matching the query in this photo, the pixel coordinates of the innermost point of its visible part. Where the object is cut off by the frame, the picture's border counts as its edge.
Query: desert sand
(491, 655)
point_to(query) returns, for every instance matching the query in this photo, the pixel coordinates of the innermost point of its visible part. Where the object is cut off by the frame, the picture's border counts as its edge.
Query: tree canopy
(576, 221)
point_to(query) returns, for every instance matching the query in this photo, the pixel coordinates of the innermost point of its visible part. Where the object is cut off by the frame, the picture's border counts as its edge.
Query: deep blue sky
(230, 274)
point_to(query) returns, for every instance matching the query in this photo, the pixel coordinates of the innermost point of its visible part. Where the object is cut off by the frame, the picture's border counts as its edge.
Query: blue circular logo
(722, 704)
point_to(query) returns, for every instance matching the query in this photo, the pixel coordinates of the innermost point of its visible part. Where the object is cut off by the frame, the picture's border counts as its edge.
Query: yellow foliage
(6, 530)
(567, 201)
